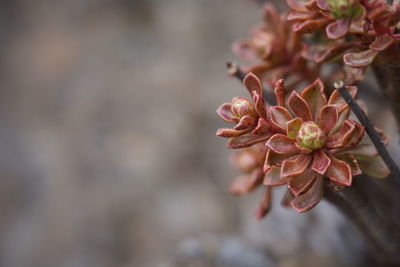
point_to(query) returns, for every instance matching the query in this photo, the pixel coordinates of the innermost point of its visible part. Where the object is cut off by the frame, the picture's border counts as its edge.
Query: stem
(370, 129)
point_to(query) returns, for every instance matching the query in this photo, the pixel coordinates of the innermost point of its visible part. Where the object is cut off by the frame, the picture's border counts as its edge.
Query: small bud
(311, 136)
(241, 106)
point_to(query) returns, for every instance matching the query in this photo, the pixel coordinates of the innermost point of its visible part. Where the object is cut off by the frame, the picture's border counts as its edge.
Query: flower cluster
(307, 142)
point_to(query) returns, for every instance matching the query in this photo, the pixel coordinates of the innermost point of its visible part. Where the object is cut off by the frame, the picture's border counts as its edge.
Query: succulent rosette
(277, 48)
(339, 17)
(315, 140)
(250, 161)
(248, 115)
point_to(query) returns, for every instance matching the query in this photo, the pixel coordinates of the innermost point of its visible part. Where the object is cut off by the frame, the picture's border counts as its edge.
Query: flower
(277, 48)
(319, 141)
(250, 161)
(249, 116)
(339, 17)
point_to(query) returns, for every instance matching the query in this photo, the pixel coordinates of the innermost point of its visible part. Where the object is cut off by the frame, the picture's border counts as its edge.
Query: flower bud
(241, 106)
(311, 136)
(345, 8)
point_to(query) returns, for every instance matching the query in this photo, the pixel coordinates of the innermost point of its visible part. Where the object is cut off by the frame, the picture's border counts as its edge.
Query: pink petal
(245, 122)
(224, 111)
(336, 98)
(293, 126)
(247, 183)
(265, 204)
(315, 97)
(226, 132)
(279, 116)
(310, 198)
(338, 29)
(381, 42)
(328, 117)
(341, 138)
(244, 49)
(299, 106)
(262, 127)
(253, 84)
(246, 140)
(282, 144)
(321, 162)
(259, 104)
(339, 172)
(360, 59)
(295, 166)
(273, 177)
(301, 183)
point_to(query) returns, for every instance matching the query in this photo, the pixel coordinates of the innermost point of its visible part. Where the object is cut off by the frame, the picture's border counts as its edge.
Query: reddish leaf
(273, 177)
(341, 138)
(299, 106)
(293, 127)
(300, 183)
(259, 104)
(310, 198)
(247, 183)
(253, 84)
(339, 172)
(224, 111)
(381, 42)
(262, 127)
(338, 29)
(282, 144)
(226, 132)
(336, 98)
(246, 140)
(328, 118)
(265, 204)
(296, 166)
(279, 116)
(321, 162)
(360, 59)
(245, 122)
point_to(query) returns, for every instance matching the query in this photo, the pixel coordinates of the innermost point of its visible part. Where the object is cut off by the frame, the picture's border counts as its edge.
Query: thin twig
(236, 71)
(370, 129)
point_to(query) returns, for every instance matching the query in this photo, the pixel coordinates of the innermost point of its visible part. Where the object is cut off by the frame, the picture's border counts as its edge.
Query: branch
(370, 129)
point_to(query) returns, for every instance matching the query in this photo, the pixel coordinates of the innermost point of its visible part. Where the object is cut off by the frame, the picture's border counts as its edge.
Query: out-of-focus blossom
(278, 49)
(249, 116)
(318, 141)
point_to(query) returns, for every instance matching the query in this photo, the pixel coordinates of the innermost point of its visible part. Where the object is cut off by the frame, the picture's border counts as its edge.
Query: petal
(300, 183)
(381, 42)
(262, 127)
(253, 84)
(265, 204)
(259, 104)
(315, 97)
(293, 167)
(328, 118)
(339, 172)
(360, 59)
(272, 158)
(224, 111)
(244, 49)
(247, 183)
(293, 126)
(338, 29)
(336, 98)
(226, 132)
(282, 144)
(373, 166)
(273, 177)
(245, 122)
(299, 106)
(279, 116)
(246, 140)
(310, 198)
(321, 162)
(341, 138)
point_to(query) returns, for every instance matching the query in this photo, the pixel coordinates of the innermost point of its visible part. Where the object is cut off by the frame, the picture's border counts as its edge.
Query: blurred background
(108, 154)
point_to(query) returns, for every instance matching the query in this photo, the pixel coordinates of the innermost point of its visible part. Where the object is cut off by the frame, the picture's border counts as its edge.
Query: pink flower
(248, 115)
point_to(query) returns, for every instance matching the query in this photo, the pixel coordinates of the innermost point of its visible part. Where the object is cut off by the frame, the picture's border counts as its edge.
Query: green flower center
(345, 8)
(311, 136)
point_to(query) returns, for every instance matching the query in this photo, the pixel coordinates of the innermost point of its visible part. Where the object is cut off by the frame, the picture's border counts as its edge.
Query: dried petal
(315, 97)
(321, 162)
(310, 198)
(339, 172)
(282, 144)
(279, 116)
(299, 106)
(328, 118)
(296, 166)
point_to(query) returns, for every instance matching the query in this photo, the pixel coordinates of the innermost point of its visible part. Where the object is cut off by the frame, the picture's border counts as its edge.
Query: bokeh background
(108, 154)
